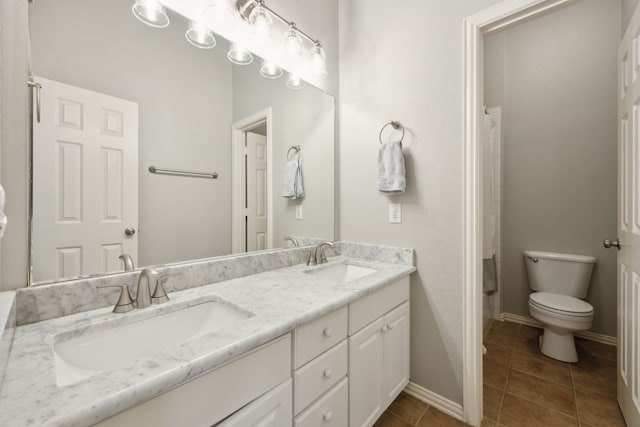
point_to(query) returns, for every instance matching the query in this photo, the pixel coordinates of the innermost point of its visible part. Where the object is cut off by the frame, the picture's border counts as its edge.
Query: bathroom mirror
(120, 98)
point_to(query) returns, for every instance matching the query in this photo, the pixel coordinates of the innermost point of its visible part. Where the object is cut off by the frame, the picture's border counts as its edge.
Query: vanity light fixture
(270, 70)
(200, 36)
(222, 15)
(294, 82)
(151, 12)
(254, 12)
(239, 55)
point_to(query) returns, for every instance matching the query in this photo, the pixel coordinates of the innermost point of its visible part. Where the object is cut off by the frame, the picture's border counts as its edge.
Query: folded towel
(391, 179)
(292, 187)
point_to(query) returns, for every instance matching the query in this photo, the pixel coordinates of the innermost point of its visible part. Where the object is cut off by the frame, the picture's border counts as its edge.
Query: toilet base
(560, 346)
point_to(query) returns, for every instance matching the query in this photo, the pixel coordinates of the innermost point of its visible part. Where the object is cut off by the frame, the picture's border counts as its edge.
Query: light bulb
(151, 12)
(261, 22)
(319, 60)
(294, 82)
(292, 42)
(219, 14)
(200, 36)
(239, 55)
(270, 70)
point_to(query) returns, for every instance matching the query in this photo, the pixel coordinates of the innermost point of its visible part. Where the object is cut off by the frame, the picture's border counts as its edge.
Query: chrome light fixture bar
(245, 7)
(248, 9)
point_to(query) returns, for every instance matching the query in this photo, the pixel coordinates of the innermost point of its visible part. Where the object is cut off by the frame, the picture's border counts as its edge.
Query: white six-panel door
(85, 182)
(256, 196)
(629, 223)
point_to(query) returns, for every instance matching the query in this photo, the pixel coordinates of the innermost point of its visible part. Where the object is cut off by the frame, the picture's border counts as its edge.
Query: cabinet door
(271, 410)
(396, 353)
(365, 375)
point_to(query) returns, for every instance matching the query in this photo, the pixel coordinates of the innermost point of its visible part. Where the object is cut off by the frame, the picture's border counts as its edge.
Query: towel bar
(178, 172)
(394, 124)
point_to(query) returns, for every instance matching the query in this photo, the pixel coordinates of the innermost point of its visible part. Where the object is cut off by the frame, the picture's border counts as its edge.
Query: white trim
(238, 130)
(587, 335)
(499, 16)
(442, 404)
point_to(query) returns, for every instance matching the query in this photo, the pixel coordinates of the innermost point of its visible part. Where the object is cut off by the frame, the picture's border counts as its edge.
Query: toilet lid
(562, 303)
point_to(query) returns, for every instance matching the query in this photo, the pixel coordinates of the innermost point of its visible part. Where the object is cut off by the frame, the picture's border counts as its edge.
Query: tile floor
(522, 387)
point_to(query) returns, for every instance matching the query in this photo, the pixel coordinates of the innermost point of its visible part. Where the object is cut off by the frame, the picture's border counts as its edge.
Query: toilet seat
(561, 304)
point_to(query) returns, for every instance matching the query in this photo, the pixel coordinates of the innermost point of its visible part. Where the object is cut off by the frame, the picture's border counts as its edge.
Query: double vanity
(285, 344)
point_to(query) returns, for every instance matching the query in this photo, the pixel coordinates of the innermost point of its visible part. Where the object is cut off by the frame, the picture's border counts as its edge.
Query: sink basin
(341, 272)
(84, 352)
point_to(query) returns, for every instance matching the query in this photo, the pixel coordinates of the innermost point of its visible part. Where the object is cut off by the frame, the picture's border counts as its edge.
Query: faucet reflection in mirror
(230, 17)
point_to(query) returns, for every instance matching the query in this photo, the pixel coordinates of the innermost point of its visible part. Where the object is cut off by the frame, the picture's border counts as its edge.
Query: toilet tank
(565, 274)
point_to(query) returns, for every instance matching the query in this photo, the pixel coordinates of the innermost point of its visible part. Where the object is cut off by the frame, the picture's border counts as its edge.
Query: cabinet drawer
(369, 308)
(271, 410)
(319, 375)
(244, 379)
(331, 410)
(314, 338)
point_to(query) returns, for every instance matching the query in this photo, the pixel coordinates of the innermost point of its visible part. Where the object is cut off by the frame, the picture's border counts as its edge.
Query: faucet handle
(312, 258)
(159, 294)
(125, 302)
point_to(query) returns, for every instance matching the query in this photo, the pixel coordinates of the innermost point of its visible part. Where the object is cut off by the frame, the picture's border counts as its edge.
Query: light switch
(395, 213)
(298, 211)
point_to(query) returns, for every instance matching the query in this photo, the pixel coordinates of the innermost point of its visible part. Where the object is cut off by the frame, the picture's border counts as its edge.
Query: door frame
(238, 130)
(476, 27)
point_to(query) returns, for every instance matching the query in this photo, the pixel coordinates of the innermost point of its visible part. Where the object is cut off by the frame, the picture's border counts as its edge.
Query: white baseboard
(442, 404)
(588, 335)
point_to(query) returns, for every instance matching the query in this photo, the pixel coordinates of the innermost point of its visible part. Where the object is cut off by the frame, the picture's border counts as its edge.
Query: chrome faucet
(292, 240)
(143, 296)
(128, 262)
(317, 256)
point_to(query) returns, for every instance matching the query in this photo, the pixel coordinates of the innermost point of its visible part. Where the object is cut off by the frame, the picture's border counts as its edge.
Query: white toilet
(558, 281)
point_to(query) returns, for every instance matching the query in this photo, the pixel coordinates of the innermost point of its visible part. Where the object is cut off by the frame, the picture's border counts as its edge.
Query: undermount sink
(341, 272)
(84, 352)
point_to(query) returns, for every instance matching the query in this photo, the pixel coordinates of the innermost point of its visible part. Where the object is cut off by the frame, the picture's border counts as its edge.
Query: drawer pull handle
(389, 327)
(327, 416)
(385, 328)
(327, 332)
(328, 373)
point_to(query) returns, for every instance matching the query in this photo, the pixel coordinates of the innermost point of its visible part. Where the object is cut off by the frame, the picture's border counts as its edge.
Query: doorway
(252, 176)
(477, 29)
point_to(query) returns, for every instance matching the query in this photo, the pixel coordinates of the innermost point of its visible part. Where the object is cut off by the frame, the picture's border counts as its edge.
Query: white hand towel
(391, 171)
(292, 187)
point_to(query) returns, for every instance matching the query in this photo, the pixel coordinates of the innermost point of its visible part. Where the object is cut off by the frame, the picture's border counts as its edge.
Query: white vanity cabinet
(378, 352)
(320, 383)
(340, 370)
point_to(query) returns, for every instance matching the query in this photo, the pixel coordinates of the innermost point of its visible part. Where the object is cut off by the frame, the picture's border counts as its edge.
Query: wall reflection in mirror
(118, 97)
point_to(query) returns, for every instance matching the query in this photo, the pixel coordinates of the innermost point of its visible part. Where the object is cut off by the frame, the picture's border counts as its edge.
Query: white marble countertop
(280, 300)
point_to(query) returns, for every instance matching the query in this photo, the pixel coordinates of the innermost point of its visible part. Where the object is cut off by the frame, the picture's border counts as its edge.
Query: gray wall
(14, 140)
(628, 7)
(556, 77)
(303, 117)
(184, 97)
(405, 63)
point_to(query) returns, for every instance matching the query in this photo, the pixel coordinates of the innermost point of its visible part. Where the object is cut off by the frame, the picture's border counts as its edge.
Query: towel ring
(296, 148)
(394, 124)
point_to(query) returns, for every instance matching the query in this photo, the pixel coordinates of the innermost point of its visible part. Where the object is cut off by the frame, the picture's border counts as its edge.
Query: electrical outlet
(299, 212)
(395, 213)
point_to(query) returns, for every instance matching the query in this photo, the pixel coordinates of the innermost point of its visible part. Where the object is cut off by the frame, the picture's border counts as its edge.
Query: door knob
(608, 243)
(130, 231)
